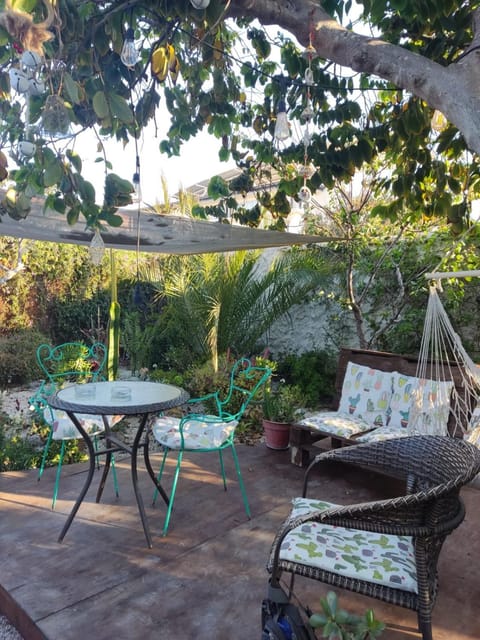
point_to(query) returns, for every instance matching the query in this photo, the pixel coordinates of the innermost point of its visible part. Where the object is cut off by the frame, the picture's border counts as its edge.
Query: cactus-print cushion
(473, 436)
(366, 394)
(420, 404)
(387, 560)
(335, 423)
(64, 429)
(473, 432)
(383, 433)
(197, 434)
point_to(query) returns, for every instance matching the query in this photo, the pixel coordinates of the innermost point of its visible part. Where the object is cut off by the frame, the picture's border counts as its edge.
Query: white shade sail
(155, 233)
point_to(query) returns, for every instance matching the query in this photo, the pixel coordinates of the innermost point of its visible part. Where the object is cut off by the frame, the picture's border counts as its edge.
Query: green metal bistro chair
(70, 362)
(210, 429)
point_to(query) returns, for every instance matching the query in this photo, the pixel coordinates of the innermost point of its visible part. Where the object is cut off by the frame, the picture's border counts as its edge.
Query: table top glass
(127, 397)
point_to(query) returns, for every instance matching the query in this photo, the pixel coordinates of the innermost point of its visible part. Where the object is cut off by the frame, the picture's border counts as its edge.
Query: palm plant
(228, 301)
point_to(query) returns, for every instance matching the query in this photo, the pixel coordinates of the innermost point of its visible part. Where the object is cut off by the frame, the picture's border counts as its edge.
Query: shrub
(18, 363)
(20, 451)
(314, 372)
(201, 379)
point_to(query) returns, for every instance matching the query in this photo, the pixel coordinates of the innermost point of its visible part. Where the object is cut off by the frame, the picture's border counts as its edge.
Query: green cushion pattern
(336, 423)
(387, 560)
(197, 434)
(383, 433)
(366, 393)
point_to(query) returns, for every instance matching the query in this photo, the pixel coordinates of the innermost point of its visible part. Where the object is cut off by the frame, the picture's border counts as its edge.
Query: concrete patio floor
(207, 578)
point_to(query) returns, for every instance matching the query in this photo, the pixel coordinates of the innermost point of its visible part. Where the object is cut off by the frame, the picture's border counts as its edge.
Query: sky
(198, 161)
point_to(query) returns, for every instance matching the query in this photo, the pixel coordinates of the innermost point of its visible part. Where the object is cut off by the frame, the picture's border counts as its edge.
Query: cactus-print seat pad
(64, 429)
(197, 434)
(387, 560)
(383, 433)
(336, 424)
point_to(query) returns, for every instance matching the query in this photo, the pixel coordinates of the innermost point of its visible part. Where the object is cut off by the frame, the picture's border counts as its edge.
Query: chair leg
(172, 494)
(240, 482)
(425, 627)
(160, 473)
(222, 467)
(115, 479)
(45, 453)
(57, 475)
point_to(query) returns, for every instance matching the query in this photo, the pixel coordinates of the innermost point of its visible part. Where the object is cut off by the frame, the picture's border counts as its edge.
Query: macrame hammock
(449, 389)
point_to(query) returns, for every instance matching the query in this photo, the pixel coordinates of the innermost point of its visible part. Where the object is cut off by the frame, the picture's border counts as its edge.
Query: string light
(282, 126)
(438, 122)
(129, 54)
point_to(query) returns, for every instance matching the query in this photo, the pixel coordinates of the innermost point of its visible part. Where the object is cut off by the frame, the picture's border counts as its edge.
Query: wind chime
(304, 194)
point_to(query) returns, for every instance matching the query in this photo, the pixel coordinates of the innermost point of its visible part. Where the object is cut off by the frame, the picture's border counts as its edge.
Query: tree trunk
(453, 90)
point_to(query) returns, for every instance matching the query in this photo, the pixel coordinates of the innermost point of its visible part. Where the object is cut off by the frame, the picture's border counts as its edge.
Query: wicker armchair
(386, 549)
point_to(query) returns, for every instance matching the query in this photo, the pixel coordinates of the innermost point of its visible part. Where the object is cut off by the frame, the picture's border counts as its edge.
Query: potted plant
(281, 407)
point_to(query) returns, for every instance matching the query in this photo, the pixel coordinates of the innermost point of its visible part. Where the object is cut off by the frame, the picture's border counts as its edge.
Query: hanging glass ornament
(310, 52)
(19, 80)
(306, 171)
(304, 195)
(55, 116)
(31, 60)
(27, 148)
(36, 87)
(200, 4)
(309, 81)
(308, 113)
(96, 248)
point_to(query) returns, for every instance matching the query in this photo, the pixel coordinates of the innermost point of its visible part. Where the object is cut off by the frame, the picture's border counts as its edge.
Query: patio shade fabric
(156, 233)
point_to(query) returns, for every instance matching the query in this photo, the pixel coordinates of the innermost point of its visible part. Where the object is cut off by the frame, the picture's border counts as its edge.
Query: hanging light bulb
(200, 4)
(129, 54)
(282, 126)
(438, 122)
(96, 249)
(137, 187)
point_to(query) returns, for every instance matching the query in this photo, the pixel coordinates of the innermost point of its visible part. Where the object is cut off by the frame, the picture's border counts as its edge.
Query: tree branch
(454, 90)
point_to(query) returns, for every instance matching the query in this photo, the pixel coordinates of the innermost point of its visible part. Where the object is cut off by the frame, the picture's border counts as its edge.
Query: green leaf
(114, 220)
(317, 620)
(218, 188)
(24, 5)
(120, 108)
(72, 215)
(100, 105)
(72, 88)
(332, 601)
(53, 173)
(75, 159)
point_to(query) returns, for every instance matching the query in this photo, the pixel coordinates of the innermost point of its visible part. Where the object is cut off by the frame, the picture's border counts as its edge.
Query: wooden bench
(304, 440)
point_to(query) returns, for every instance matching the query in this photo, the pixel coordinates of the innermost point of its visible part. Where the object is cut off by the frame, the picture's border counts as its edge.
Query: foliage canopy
(225, 70)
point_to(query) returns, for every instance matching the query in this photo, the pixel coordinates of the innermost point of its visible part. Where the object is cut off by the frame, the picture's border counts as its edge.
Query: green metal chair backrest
(68, 362)
(245, 381)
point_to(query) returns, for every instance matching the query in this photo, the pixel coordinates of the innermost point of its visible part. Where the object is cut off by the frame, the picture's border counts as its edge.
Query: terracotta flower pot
(277, 434)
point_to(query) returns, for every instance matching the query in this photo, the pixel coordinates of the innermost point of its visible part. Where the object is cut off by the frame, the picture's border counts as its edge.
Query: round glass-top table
(131, 397)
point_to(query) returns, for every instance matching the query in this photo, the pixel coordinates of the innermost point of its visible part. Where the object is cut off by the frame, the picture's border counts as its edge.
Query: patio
(207, 578)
